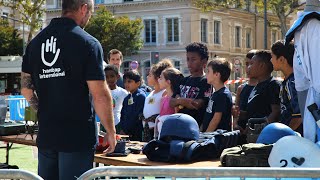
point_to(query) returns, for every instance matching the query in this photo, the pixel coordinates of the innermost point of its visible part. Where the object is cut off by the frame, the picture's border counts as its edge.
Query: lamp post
(265, 26)
(23, 40)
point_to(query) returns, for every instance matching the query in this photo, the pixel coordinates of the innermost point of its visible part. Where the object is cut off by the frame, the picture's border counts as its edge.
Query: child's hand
(235, 111)
(122, 132)
(190, 103)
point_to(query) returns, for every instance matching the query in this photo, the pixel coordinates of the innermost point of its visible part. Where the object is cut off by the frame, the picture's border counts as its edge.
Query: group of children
(203, 94)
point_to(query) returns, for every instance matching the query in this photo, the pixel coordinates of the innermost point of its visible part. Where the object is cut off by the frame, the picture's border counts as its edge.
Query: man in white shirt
(306, 61)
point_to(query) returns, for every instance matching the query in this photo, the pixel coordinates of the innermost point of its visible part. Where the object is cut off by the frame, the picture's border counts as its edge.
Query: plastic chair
(31, 120)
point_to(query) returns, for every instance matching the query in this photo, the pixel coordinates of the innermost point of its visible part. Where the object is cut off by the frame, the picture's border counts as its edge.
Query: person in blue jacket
(132, 108)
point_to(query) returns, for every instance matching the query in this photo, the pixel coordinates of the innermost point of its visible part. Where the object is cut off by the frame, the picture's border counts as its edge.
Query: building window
(274, 37)
(248, 5)
(238, 36)
(177, 64)
(126, 66)
(50, 4)
(217, 32)
(99, 1)
(204, 31)
(127, 0)
(173, 30)
(59, 4)
(150, 31)
(248, 38)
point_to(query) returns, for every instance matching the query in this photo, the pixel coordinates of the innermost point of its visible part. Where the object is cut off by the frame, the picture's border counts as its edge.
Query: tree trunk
(283, 25)
(32, 26)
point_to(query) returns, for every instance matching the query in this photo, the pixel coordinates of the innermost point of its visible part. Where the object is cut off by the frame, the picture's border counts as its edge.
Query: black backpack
(208, 146)
(180, 151)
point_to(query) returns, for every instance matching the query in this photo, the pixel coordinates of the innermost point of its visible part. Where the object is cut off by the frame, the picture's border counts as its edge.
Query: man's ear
(118, 76)
(282, 59)
(84, 9)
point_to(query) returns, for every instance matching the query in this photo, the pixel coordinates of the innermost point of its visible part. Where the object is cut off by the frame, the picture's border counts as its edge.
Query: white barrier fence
(18, 174)
(221, 173)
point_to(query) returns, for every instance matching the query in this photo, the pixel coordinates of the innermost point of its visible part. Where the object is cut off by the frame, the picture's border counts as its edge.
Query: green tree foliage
(281, 8)
(10, 42)
(116, 32)
(31, 13)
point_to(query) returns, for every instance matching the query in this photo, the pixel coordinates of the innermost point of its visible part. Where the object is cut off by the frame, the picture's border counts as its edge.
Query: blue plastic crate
(17, 104)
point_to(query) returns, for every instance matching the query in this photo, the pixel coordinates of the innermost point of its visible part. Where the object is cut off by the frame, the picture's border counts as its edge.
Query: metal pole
(23, 40)
(265, 26)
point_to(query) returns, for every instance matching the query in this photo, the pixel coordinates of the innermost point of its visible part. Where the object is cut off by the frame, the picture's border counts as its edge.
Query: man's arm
(295, 123)
(103, 106)
(28, 91)
(275, 113)
(214, 122)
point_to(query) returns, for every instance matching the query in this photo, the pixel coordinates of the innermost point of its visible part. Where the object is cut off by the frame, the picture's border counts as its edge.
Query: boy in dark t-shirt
(243, 92)
(264, 99)
(218, 112)
(132, 107)
(282, 60)
(194, 89)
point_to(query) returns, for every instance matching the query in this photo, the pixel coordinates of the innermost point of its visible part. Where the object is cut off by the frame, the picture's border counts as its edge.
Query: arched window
(177, 64)
(126, 66)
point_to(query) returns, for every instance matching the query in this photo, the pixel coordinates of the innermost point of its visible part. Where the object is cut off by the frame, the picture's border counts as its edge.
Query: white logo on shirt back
(50, 46)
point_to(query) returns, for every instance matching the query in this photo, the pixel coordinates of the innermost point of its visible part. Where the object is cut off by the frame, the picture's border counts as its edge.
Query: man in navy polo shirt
(61, 66)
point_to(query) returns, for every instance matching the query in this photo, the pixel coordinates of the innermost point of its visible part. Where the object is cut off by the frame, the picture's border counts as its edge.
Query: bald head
(74, 5)
(312, 5)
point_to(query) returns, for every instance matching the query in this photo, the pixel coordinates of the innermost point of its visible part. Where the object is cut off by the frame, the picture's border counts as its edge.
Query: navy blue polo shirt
(289, 102)
(61, 59)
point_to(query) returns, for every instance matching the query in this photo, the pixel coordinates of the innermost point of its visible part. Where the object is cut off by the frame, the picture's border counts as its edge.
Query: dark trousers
(64, 165)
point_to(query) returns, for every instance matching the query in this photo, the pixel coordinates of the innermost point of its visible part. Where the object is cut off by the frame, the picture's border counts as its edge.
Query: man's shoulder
(88, 38)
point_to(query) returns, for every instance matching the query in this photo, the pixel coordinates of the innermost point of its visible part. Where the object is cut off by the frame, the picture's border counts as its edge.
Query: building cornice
(143, 3)
(125, 4)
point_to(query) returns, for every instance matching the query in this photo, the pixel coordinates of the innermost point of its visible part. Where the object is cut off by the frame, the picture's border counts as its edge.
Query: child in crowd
(152, 103)
(282, 60)
(132, 109)
(263, 101)
(169, 80)
(243, 92)
(118, 93)
(218, 112)
(194, 91)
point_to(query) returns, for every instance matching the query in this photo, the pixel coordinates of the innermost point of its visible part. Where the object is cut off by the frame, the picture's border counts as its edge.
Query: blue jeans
(63, 165)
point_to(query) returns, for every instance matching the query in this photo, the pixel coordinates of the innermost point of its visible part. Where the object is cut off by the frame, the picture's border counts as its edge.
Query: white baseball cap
(294, 151)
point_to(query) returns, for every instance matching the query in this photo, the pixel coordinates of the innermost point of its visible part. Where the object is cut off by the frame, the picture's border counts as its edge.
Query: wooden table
(25, 139)
(130, 160)
(142, 160)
